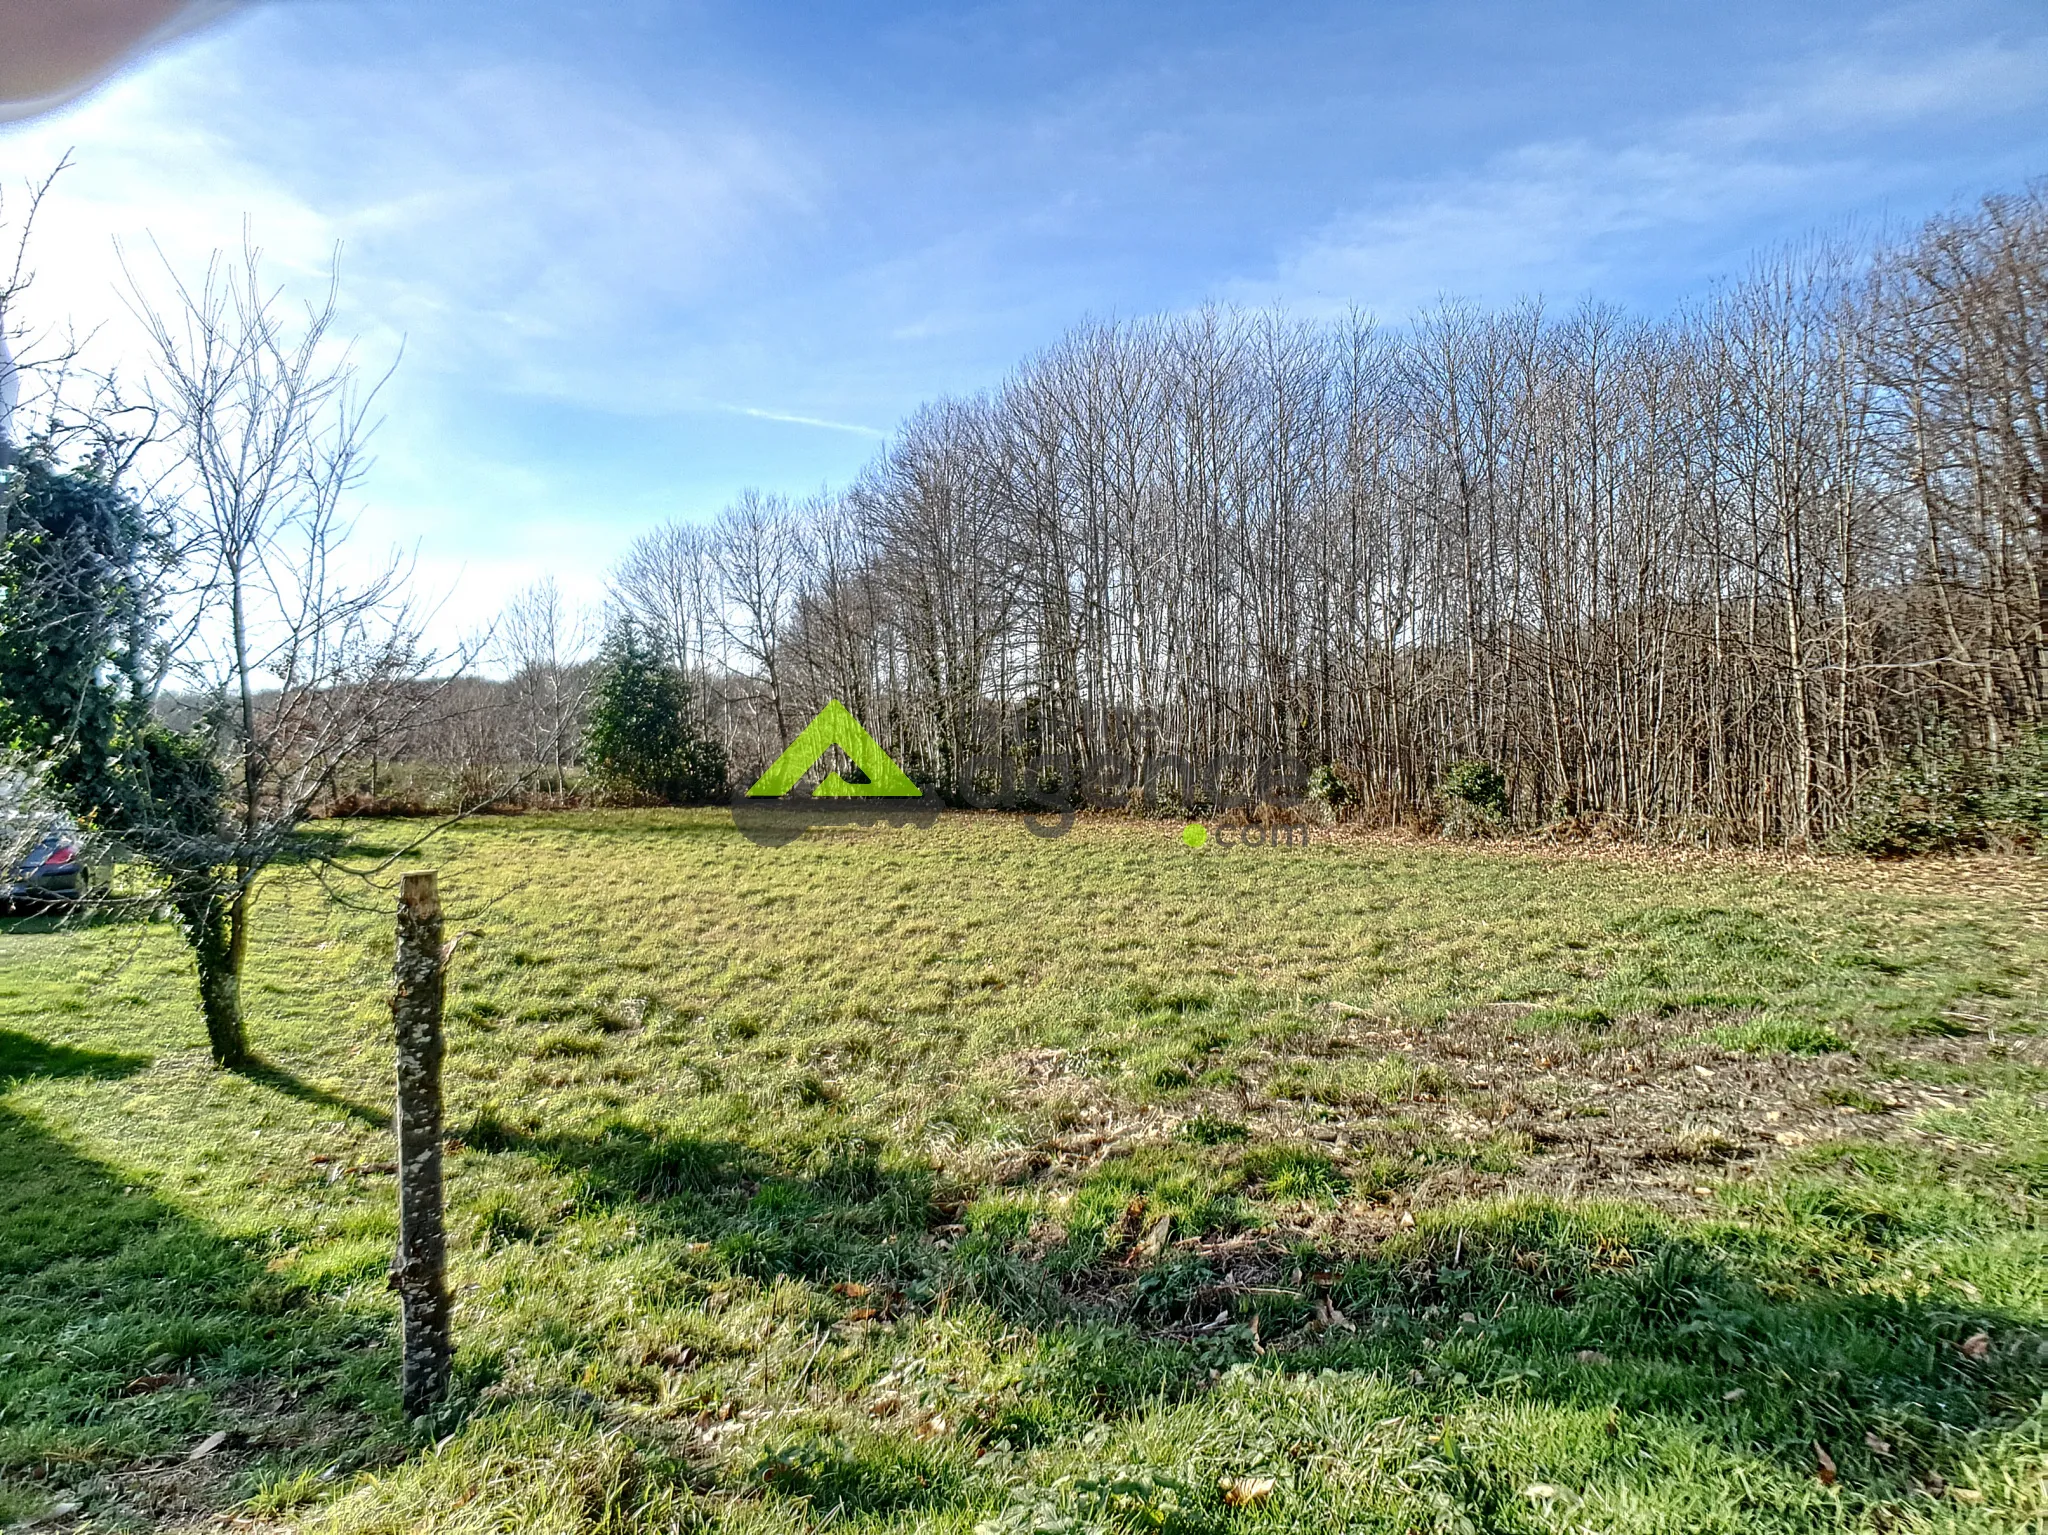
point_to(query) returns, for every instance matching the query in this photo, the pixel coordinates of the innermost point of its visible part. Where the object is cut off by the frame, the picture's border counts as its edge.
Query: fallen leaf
(1966, 1494)
(1827, 1465)
(1542, 1491)
(1243, 1491)
(1976, 1346)
(208, 1445)
(1407, 1217)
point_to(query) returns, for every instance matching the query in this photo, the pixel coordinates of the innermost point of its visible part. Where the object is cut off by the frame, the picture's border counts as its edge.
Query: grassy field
(953, 1178)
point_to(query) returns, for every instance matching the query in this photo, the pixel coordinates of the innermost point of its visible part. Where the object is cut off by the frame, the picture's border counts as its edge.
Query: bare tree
(758, 553)
(306, 659)
(1703, 575)
(543, 645)
(668, 585)
(38, 365)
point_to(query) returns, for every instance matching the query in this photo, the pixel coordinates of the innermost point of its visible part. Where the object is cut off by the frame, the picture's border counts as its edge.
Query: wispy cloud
(512, 223)
(796, 420)
(1568, 215)
(640, 261)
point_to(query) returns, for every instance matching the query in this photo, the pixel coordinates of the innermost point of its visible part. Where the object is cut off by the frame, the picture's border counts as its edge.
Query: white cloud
(509, 221)
(1564, 216)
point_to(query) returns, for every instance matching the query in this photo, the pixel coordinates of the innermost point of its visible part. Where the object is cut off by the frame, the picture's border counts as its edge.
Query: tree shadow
(133, 1331)
(826, 1210)
(29, 919)
(1671, 1332)
(1771, 1348)
(23, 1056)
(1759, 1346)
(278, 1079)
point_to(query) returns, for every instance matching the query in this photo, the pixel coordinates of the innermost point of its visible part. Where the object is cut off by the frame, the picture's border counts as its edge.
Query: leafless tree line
(1706, 574)
(513, 740)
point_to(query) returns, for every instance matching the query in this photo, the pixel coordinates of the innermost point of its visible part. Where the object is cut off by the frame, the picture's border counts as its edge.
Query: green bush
(1326, 787)
(2016, 797)
(1951, 799)
(1475, 799)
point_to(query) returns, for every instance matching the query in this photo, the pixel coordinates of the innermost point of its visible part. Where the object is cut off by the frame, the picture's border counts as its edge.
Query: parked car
(56, 871)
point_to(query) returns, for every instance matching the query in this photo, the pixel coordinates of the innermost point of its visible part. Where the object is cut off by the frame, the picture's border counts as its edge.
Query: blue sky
(642, 255)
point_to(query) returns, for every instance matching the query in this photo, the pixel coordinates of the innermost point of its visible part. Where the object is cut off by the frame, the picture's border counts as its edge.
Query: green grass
(952, 1178)
(1779, 1036)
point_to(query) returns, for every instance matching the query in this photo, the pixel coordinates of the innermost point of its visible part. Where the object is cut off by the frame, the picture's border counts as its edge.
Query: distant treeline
(1706, 573)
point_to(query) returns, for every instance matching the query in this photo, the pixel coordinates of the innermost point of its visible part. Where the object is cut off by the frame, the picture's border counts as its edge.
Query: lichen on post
(420, 1271)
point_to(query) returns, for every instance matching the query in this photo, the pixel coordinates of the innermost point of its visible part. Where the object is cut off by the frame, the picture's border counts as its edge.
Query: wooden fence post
(420, 1272)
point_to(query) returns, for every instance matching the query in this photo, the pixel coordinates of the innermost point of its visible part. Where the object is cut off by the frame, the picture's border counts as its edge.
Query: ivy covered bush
(1475, 799)
(1954, 800)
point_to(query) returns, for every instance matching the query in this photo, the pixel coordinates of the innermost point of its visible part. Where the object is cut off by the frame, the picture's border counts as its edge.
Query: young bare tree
(758, 553)
(305, 657)
(543, 644)
(38, 374)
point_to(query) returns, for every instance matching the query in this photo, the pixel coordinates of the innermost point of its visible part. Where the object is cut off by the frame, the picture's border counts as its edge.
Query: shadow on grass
(1772, 1345)
(24, 920)
(280, 1080)
(818, 1211)
(1750, 1347)
(131, 1330)
(830, 1209)
(1759, 1343)
(23, 1056)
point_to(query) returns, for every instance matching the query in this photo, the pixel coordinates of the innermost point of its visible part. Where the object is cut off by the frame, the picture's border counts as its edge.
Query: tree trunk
(214, 927)
(419, 1273)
